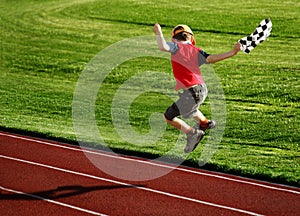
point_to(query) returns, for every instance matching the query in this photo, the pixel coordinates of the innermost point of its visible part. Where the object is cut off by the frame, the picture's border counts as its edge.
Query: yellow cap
(181, 28)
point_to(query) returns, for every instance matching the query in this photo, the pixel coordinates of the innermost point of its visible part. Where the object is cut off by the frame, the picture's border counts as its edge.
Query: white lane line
(130, 185)
(51, 201)
(119, 157)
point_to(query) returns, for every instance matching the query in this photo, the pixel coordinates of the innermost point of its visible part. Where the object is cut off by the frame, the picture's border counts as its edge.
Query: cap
(181, 28)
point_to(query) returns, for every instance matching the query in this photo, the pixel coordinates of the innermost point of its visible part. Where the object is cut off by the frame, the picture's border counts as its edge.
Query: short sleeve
(173, 47)
(202, 56)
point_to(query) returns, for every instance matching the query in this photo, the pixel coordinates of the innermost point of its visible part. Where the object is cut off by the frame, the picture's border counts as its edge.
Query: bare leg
(203, 122)
(199, 117)
(179, 124)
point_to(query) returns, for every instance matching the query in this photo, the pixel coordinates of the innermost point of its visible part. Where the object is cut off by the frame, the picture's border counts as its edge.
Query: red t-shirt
(185, 59)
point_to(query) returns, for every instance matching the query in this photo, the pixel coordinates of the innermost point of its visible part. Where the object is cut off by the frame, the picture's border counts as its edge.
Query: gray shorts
(188, 103)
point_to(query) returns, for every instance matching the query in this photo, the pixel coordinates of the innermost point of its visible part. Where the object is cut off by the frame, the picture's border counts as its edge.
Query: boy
(186, 59)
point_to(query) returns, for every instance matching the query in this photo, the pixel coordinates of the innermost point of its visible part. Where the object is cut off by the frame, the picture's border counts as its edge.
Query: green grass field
(45, 46)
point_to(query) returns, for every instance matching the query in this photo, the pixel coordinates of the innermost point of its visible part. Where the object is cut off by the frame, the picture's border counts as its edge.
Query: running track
(41, 177)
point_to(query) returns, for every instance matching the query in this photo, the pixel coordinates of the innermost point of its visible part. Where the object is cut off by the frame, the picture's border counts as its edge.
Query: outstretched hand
(237, 47)
(157, 29)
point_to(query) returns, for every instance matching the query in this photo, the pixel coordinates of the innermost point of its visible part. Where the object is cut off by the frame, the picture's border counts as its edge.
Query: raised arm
(219, 57)
(162, 45)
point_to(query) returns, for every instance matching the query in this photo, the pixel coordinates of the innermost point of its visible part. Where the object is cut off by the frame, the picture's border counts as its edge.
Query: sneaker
(193, 139)
(209, 125)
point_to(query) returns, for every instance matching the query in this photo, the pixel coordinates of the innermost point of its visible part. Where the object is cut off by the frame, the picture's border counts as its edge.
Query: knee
(171, 113)
(167, 119)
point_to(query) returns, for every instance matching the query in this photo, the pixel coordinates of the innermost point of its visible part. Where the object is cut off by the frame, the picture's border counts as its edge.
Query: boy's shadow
(63, 192)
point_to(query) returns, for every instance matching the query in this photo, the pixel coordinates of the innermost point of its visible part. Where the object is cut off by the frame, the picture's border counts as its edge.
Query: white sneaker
(193, 139)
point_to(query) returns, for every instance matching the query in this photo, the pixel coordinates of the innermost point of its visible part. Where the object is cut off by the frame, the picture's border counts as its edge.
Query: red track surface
(39, 177)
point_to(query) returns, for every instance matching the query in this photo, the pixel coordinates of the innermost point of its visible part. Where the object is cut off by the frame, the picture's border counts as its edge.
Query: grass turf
(45, 45)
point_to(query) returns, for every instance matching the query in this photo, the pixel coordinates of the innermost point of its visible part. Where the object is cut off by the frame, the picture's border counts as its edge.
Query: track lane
(96, 193)
(206, 188)
(24, 200)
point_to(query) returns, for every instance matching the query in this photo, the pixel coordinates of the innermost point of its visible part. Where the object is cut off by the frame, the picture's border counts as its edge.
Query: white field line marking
(130, 185)
(51, 201)
(85, 150)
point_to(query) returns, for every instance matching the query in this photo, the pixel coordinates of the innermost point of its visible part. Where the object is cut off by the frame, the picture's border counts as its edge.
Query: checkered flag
(260, 34)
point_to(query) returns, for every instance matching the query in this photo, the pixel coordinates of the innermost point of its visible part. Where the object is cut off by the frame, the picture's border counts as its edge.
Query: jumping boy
(186, 59)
